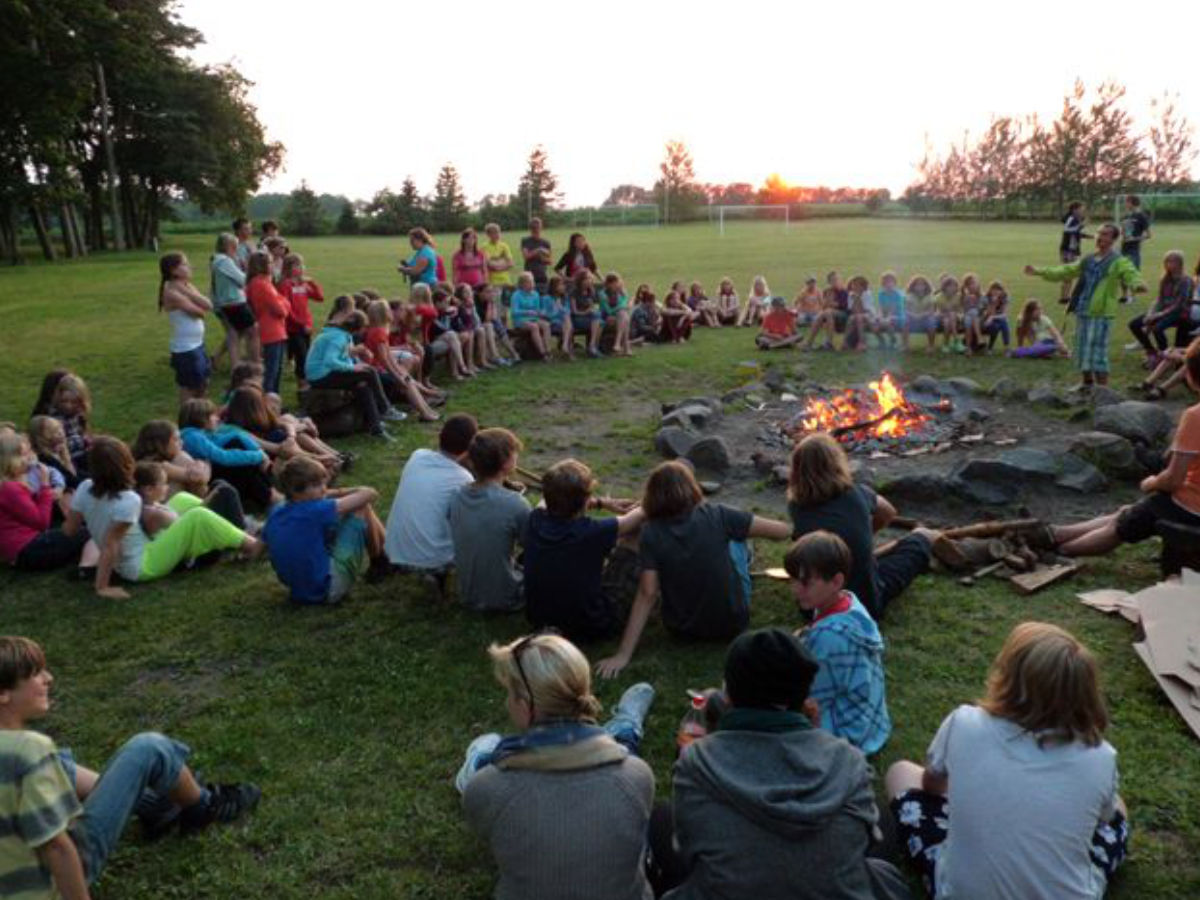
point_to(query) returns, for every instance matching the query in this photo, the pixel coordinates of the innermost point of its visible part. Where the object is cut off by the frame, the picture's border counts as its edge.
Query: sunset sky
(364, 93)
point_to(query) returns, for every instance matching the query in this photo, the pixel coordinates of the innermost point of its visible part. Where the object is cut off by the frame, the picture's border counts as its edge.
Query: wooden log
(531, 478)
(992, 529)
(869, 423)
(1032, 582)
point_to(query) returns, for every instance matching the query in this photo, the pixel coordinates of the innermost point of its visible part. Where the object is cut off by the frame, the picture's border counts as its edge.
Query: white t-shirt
(1021, 817)
(418, 527)
(101, 513)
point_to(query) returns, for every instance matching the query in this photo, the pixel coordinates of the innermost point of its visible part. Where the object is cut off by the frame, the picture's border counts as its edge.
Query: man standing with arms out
(1105, 275)
(536, 250)
(1135, 228)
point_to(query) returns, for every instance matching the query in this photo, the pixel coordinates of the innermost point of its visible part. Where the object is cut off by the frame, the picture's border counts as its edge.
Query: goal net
(729, 215)
(632, 214)
(1162, 207)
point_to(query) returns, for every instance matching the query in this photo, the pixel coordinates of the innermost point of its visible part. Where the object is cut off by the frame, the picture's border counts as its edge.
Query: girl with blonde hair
(757, 302)
(27, 540)
(563, 803)
(1018, 795)
(823, 496)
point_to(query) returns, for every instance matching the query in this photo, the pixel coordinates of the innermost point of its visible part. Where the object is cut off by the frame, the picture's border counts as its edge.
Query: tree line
(103, 124)
(1091, 151)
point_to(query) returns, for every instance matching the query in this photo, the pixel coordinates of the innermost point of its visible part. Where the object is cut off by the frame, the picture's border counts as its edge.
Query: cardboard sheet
(1182, 698)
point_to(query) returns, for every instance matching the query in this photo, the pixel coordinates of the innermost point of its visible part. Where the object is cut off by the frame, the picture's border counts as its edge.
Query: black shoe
(379, 569)
(226, 802)
(348, 460)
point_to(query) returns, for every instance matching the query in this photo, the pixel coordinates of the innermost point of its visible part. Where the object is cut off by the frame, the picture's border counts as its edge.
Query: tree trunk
(43, 236)
(110, 159)
(9, 240)
(77, 229)
(70, 248)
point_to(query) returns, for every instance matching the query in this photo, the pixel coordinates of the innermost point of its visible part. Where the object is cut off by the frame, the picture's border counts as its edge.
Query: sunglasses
(518, 649)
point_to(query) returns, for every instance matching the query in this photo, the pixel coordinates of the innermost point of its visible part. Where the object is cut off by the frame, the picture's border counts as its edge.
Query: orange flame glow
(884, 406)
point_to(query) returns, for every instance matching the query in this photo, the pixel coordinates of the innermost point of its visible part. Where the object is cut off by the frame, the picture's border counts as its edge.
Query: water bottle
(693, 725)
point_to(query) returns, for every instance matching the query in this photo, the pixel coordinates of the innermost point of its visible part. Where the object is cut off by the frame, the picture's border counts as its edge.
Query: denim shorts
(192, 368)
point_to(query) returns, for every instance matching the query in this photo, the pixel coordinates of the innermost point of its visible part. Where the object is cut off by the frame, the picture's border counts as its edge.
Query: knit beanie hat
(769, 669)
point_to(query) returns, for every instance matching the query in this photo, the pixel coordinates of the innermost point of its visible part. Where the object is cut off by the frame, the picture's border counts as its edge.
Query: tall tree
(347, 221)
(628, 195)
(448, 206)
(676, 191)
(1172, 151)
(537, 191)
(303, 215)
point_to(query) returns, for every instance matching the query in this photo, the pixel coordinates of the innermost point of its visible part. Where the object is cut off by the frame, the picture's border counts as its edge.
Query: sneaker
(226, 802)
(254, 526)
(594, 353)
(382, 432)
(348, 460)
(394, 415)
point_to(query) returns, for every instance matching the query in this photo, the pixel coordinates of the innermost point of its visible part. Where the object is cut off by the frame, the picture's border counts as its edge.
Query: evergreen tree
(347, 221)
(448, 208)
(303, 216)
(537, 191)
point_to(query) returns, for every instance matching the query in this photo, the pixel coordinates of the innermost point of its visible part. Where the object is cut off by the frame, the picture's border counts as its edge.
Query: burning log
(837, 433)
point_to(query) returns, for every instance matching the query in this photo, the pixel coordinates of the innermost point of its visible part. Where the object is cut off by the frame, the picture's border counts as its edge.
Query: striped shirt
(37, 803)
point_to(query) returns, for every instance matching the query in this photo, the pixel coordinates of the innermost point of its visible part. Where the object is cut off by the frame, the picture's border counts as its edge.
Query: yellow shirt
(498, 250)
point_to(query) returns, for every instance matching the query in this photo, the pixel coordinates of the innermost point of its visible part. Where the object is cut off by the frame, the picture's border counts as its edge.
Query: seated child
(864, 317)
(778, 328)
(528, 318)
(995, 315)
(844, 639)
(63, 820)
(491, 316)
(698, 303)
(486, 521)
(232, 453)
(71, 405)
(474, 330)
(922, 310)
(893, 317)
(335, 363)
(646, 323)
(556, 310)
(729, 307)
(807, 305)
(948, 303)
(972, 312)
(566, 554)
(614, 307)
(318, 538)
(28, 539)
(398, 382)
(1018, 794)
(757, 302)
(438, 314)
(49, 443)
(1037, 338)
(677, 319)
(586, 317)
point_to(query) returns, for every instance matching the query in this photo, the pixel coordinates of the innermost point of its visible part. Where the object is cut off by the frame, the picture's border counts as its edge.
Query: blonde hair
(1046, 681)
(820, 471)
(39, 432)
(553, 669)
(420, 292)
(13, 461)
(759, 279)
(378, 313)
(73, 384)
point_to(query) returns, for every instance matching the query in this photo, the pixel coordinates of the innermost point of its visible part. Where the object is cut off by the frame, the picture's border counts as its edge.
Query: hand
(265, 465)
(43, 474)
(620, 507)
(1029, 270)
(612, 666)
(1140, 289)
(1148, 484)
(112, 593)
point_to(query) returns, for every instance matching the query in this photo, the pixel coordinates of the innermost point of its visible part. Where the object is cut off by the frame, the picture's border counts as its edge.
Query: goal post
(644, 214)
(751, 212)
(1165, 205)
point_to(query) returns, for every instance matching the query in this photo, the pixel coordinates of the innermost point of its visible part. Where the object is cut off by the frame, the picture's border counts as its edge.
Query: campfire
(880, 413)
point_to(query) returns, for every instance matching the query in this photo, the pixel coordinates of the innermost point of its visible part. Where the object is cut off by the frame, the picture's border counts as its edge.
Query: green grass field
(354, 719)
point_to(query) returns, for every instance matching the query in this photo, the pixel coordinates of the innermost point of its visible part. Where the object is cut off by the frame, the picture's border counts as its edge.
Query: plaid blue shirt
(849, 686)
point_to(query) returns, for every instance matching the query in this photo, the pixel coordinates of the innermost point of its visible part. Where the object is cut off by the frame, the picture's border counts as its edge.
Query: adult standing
(243, 230)
(1069, 248)
(421, 267)
(499, 262)
(536, 251)
(577, 258)
(469, 264)
(1135, 228)
(1106, 274)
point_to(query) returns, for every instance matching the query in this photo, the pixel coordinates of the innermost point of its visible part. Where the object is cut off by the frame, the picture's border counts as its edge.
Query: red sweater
(376, 340)
(298, 294)
(270, 309)
(23, 516)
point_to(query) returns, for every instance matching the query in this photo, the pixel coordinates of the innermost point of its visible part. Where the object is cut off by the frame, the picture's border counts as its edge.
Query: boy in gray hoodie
(770, 806)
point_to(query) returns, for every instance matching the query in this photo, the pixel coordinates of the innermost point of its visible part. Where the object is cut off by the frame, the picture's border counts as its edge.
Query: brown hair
(290, 262)
(244, 372)
(548, 672)
(820, 471)
(167, 264)
(195, 413)
(566, 487)
(1047, 682)
(421, 235)
(111, 466)
(1025, 323)
(248, 409)
(671, 490)
(819, 553)
(355, 321)
(73, 384)
(152, 439)
(45, 400)
(20, 659)
(490, 449)
(456, 435)
(148, 473)
(299, 474)
(258, 264)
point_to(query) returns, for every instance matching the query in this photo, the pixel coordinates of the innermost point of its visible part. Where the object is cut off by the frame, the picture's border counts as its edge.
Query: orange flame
(886, 403)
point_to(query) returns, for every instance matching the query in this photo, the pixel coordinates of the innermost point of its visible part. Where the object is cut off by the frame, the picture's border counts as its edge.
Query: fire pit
(881, 413)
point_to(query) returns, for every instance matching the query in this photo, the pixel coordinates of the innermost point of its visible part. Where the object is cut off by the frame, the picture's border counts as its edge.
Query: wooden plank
(1031, 582)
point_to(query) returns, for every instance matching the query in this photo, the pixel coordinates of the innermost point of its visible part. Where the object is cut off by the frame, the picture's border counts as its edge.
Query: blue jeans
(137, 779)
(997, 327)
(273, 356)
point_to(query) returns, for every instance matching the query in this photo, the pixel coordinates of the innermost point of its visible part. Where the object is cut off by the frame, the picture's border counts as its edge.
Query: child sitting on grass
(556, 311)
(778, 328)
(27, 539)
(614, 307)
(972, 312)
(486, 520)
(529, 319)
(1018, 794)
(71, 404)
(232, 453)
(864, 317)
(995, 315)
(63, 820)
(807, 305)
(757, 302)
(844, 639)
(317, 539)
(1037, 338)
(699, 303)
(646, 323)
(677, 319)
(728, 305)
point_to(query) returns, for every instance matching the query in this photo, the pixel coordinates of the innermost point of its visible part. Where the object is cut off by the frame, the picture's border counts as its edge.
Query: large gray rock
(711, 454)
(926, 384)
(673, 442)
(774, 379)
(1032, 463)
(987, 481)
(916, 488)
(1141, 422)
(862, 473)
(1110, 453)
(1103, 395)
(713, 403)
(1045, 396)
(694, 415)
(1081, 477)
(1007, 389)
(963, 386)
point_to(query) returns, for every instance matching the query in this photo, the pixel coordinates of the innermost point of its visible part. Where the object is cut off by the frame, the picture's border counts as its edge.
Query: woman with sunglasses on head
(564, 803)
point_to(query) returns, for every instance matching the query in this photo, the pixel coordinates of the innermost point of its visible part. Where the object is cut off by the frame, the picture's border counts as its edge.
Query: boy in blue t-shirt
(849, 688)
(318, 538)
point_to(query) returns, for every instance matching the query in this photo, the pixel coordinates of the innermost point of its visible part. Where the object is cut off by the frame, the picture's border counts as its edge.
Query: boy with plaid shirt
(844, 639)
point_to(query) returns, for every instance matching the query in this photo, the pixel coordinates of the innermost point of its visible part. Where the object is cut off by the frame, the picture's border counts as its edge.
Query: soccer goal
(722, 214)
(1164, 207)
(645, 214)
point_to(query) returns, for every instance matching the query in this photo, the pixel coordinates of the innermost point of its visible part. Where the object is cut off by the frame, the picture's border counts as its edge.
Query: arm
(643, 604)
(60, 856)
(935, 782)
(31, 510)
(1069, 272)
(356, 499)
(72, 523)
(769, 528)
(1171, 478)
(630, 521)
(108, 558)
(225, 456)
(1130, 277)
(883, 514)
